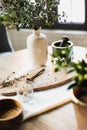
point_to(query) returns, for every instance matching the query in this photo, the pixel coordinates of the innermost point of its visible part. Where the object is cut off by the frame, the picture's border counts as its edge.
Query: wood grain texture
(9, 109)
(11, 113)
(68, 117)
(46, 80)
(50, 79)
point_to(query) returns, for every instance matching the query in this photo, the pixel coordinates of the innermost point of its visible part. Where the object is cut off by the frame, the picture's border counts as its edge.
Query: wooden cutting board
(50, 79)
(43, 78)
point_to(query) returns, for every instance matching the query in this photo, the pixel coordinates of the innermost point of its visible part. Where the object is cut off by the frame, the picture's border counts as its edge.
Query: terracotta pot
(76, 93)
(81, 116)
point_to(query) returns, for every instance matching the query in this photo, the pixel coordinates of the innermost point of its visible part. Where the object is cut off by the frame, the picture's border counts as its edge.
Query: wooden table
(68, 117)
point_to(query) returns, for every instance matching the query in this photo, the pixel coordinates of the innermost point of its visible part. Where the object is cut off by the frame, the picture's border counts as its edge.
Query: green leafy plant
(58, 63)
(80, 77)
(27, 14)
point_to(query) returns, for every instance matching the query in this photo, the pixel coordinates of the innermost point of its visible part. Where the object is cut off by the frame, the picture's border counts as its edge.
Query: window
(72, 14)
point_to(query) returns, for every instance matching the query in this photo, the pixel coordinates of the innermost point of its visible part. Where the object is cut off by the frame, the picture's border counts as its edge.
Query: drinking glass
(25, 90)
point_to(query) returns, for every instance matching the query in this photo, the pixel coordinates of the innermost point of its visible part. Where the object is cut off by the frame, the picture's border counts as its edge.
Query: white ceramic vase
(37, 48)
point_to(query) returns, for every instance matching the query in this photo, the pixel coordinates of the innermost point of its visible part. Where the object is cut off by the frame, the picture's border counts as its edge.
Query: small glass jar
(25, 90)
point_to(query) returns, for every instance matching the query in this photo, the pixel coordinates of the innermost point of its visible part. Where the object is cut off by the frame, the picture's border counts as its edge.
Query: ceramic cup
(25, 91)
(62, 52)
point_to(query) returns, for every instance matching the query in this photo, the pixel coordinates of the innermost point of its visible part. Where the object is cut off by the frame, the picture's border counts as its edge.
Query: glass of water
(25, 90)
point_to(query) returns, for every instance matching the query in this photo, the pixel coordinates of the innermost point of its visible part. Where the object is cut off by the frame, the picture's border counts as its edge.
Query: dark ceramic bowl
(11, 113)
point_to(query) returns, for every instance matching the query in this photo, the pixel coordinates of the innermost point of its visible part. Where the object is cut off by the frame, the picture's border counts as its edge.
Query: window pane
(71, 11)
(32, 0)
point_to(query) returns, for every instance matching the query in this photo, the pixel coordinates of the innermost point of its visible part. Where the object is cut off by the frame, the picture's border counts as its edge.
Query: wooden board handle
(57, 105)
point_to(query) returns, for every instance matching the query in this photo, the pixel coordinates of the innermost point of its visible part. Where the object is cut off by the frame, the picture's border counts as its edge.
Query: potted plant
(79, 85)
(35, 15)
(28, 14)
